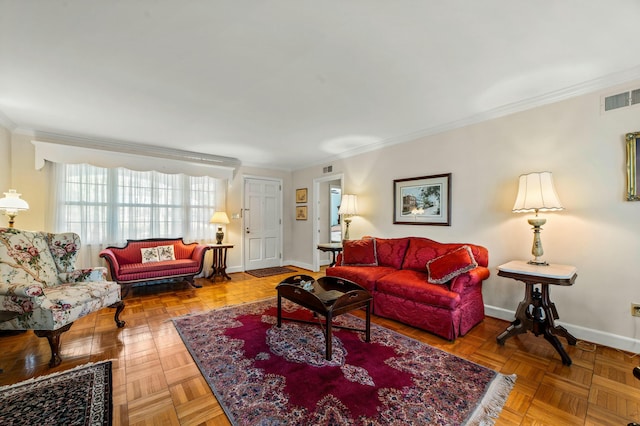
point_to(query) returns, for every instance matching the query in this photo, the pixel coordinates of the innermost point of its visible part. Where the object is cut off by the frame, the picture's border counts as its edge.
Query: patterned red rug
(262, 374)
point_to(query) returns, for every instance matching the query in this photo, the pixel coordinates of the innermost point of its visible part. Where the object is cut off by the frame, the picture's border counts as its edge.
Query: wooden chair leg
(53, 336)
(119, 308)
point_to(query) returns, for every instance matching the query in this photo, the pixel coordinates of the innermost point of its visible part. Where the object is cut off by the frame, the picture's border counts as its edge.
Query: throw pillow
(359, 253)
(166, 253)
(450, 265)
(149, 254)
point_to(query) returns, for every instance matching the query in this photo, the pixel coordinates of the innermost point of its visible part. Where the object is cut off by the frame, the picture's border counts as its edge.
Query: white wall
(5, 159)
(598, 232)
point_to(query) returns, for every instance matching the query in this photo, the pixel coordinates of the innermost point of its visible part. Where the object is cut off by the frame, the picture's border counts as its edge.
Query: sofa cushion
(166, 253)
(149, 254)
(419, 252)
(413, 285)
(448, 266)
(134, 268)
(365, 276)
(359, 253)
(391, 251)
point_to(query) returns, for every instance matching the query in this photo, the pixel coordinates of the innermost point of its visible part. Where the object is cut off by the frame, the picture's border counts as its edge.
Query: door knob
(248, 230)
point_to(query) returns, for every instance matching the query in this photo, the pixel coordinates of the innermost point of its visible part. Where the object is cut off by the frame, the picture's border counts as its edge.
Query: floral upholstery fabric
(38, 280)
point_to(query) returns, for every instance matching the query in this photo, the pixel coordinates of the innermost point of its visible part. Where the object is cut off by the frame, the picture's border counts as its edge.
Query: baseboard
(302, 265)
(581, 333)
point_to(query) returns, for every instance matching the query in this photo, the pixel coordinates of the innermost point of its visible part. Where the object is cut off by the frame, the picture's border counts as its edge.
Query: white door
(262, 223)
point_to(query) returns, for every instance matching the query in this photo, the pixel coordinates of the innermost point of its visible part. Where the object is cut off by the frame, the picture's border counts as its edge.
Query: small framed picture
(301, 212)
(301, 195)
(424, 200)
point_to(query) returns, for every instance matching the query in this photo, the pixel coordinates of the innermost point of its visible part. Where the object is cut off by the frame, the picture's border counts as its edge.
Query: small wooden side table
(536, 312)
(219, 264)
(333, 248)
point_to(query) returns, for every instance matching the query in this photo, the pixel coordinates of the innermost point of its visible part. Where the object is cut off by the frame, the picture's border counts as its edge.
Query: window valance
(135, 157)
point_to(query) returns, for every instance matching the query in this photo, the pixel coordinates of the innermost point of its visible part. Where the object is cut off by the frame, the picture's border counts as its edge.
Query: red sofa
(182, 261)
(430, 285)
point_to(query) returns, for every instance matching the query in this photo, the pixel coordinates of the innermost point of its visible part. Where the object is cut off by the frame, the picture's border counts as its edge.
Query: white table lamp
(348, 208)
(11, 204)
(537, 193)
(219, 218)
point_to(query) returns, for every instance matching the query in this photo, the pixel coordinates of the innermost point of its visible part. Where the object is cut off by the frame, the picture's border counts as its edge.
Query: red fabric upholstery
(448, 266)
(126, 267)
(413, 285)
(359, 253)
(391, 251)
(401, 289)
(366, 276)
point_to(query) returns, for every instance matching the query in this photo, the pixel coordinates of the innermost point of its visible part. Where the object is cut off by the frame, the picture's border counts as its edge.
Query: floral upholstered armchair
(41, 290)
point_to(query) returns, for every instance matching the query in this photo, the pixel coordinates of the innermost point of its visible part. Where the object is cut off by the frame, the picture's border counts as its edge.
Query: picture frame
(301, 195)
(424, 200)
(633, 158)
(301, 212)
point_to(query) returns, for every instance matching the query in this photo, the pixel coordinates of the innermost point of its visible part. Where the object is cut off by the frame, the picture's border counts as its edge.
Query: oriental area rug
(80, 396)
(265, 375)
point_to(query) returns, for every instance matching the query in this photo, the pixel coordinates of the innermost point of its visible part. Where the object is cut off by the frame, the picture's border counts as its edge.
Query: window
(109, 206)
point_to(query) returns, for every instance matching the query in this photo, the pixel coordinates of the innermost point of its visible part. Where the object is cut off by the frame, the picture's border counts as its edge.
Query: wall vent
(621, 100)
(327, 169)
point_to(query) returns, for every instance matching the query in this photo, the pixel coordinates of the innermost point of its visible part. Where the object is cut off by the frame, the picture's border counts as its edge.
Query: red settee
(430, 285)
(183, 261)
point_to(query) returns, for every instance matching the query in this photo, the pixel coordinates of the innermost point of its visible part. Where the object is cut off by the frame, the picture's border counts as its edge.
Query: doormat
(268, 272)
(80, 396)
(262, 374)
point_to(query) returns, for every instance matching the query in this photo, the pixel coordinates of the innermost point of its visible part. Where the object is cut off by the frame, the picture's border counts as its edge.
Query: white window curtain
(109, 206)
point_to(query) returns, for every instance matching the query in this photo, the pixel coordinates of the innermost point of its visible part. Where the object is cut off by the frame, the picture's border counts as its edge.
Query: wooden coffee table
(329, 297)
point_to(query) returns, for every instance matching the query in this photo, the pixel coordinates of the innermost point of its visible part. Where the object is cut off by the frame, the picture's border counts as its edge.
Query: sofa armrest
(96, 274)
(21, 290)
(112, 261)
(469, 279)
(199, 252)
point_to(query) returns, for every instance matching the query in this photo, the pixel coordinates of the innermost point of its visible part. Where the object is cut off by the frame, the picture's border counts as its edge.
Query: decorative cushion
(391, 251)
(450, 265)
(149, 254)
(166, 253)
(359, 253)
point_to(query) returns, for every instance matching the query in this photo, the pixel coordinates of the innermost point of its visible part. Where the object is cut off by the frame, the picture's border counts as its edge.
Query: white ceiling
(291, 83)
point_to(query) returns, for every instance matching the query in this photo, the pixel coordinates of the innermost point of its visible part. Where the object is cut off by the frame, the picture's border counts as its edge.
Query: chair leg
(119, 308)
(53, 336)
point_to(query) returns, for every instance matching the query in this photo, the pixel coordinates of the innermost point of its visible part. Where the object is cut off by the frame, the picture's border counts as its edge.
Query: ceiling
(291, 83)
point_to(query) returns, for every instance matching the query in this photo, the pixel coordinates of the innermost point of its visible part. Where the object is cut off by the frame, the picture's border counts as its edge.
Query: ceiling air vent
(621, 100)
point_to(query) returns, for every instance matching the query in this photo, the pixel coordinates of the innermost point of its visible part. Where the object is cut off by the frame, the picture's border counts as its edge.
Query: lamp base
(536, 249)
(346, 231)
(219, 235)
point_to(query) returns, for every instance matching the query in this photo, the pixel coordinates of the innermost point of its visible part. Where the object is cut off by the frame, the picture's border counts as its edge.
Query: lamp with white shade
(219, 218)
(348, 208)
(11, 204)
(536, 192)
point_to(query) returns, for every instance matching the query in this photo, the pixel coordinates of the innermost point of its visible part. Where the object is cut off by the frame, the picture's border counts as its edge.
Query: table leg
(367, 333)
(552, 314)
(333, 258)
(522, 323)
(329, 321)
(279, 311)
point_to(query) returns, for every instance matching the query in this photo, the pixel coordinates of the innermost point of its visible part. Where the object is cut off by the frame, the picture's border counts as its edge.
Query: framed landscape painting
(633, 155)
(424, 200)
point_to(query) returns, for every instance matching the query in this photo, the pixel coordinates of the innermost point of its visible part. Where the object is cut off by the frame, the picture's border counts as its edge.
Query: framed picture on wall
(301, 195)
(301, 212)
(633, 177)
(424, 200)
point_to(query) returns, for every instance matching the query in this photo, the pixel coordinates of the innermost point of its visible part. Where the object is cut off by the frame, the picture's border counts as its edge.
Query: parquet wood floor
(156, 382)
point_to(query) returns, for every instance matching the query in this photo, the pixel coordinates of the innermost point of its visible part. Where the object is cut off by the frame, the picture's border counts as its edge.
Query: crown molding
(7, 123)
(606, 82)
(138, 149)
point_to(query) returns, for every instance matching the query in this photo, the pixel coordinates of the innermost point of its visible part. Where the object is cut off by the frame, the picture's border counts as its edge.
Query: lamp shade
(536, 193)
(348, 205)
(219, 218)
(12, 202)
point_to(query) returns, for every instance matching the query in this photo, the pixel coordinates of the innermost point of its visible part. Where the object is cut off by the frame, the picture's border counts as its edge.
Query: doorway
(262, 226)
(327, 226)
